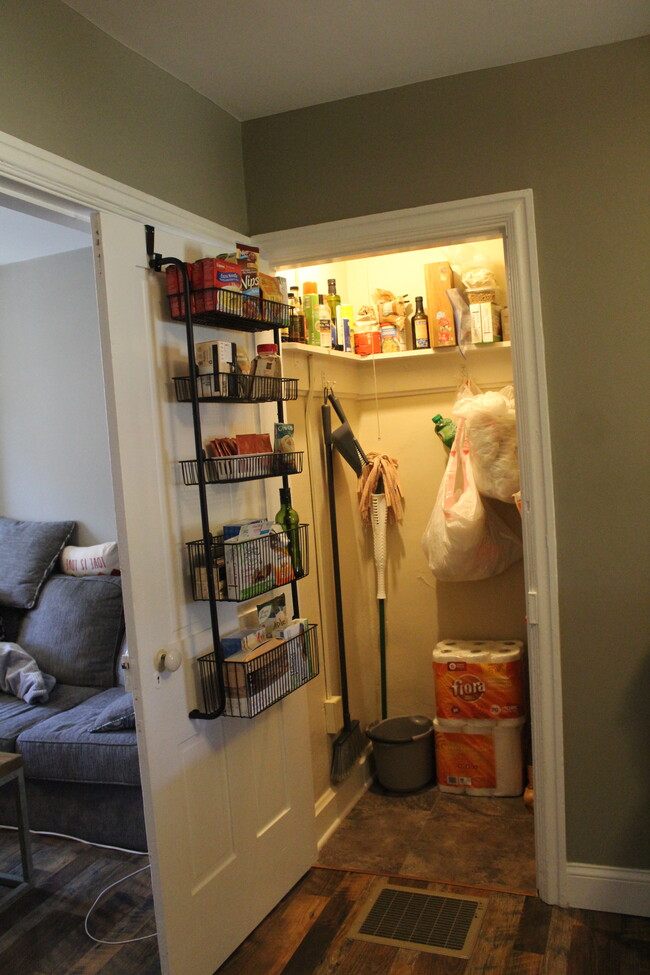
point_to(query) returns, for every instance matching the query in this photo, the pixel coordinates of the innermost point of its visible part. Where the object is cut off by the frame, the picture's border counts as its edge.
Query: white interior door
(229, 802)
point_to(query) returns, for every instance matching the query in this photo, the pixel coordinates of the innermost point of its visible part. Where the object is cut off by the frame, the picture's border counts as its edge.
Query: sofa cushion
(64, 749)
(75, 630)
(16, 715)
(29, 551)
(118, 715)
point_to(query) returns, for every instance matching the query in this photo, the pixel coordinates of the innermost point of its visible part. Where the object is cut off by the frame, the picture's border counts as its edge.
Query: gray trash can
(404, 752)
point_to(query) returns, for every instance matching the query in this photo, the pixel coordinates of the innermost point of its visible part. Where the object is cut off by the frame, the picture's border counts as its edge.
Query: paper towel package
(479, 679)
(480, 757)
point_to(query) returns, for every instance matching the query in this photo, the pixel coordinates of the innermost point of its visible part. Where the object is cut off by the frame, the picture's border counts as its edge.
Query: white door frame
(42, 178)
(510, 215)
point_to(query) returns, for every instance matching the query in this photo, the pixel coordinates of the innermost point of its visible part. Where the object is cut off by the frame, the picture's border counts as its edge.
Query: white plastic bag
(492, 434)
(465, 540)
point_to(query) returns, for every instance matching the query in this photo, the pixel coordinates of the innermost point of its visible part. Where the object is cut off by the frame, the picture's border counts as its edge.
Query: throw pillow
(76, 629)
(90, 560)
(116, 716)
(28, 553)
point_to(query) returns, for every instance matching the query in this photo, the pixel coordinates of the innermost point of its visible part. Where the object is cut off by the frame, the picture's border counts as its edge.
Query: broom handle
(327, 434)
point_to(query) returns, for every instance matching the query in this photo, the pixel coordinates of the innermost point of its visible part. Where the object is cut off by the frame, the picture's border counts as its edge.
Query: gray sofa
(79, 746)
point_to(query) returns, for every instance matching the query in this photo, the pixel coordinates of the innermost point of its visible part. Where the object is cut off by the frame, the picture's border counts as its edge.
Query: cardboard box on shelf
(438, 279)
(486, 322)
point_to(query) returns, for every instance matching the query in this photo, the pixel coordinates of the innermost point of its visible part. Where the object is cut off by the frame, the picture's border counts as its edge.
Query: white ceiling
(259, 57)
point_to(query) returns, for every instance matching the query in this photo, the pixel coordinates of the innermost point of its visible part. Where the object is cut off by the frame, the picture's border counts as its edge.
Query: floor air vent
(410, 917)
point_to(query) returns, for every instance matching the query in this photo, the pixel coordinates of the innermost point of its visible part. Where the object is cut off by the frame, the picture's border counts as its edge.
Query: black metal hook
(155, 260)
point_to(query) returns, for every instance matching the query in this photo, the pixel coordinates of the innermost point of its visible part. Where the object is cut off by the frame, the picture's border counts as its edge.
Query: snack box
(242, 641)
(176, 292)
(245, 528)
(252, 688)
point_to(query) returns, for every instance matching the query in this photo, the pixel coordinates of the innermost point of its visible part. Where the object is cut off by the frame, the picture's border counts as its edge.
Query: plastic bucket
(404, 752)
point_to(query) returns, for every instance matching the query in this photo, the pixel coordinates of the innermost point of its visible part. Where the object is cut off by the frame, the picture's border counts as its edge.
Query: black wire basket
(254, 685)
(236, 387)
(243, 570)
(230, 309)
(242, 467)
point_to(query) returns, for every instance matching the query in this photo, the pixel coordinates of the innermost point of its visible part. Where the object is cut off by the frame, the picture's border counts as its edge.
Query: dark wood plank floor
(307, 933)
(42, 932)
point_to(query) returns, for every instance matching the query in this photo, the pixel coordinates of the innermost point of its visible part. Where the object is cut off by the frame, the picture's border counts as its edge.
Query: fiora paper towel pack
(479, 757)
(479, 679)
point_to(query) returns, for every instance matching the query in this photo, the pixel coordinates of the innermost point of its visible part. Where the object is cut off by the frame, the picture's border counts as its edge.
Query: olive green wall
(67, 87)
(575, 129)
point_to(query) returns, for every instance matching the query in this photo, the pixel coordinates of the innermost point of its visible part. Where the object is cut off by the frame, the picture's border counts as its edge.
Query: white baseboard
(335, 803)
(614, 889)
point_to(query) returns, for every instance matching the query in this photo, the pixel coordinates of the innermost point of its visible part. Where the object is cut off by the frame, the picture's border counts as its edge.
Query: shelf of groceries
(389, 356)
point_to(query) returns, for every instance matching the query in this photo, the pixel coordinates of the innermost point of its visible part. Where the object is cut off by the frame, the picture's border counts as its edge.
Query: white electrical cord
(103, 846)
(128, 941)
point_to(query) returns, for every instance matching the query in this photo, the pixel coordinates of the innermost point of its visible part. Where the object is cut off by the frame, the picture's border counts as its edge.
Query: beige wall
(389, 406)
(67, 87)
(574, 129)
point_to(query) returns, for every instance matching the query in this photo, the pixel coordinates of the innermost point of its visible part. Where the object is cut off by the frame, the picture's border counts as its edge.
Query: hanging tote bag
(465, 540)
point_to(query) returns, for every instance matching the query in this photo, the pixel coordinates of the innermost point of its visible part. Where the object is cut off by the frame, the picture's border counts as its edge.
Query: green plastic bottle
(446, 429)
(288, 518)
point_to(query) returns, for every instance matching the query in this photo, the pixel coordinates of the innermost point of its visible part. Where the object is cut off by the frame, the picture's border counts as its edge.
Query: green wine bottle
(287, 518)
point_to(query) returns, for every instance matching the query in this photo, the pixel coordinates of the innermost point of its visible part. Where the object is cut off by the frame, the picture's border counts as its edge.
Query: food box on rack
(210, 277)
(254, 679)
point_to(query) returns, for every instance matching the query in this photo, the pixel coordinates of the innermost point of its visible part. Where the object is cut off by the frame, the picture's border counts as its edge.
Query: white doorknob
(168, 660)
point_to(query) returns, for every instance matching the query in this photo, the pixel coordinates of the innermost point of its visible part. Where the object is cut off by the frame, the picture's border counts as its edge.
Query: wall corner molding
(614, 889)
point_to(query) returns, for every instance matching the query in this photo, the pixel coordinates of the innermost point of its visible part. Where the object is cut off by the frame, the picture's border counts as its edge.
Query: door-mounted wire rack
(288, 556)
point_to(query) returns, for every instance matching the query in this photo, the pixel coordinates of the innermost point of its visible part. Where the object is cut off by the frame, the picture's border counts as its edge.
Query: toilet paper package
(480, 757)
(479, 679)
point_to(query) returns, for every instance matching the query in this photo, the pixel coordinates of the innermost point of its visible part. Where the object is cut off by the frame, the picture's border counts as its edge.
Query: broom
(349, 744)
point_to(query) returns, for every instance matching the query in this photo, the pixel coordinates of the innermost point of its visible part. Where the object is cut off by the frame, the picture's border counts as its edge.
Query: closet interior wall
(389, 402)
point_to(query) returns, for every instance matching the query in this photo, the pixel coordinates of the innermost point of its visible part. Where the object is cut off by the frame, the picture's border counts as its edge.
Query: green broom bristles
(348, 746)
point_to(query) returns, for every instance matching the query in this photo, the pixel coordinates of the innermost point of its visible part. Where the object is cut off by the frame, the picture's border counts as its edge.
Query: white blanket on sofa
(20, 675)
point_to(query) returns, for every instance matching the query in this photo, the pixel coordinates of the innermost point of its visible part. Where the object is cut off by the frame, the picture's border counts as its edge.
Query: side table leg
(23, 829)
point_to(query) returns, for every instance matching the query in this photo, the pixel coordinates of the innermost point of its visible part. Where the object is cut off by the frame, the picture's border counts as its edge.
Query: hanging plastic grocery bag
(492, 435)
(465, 540)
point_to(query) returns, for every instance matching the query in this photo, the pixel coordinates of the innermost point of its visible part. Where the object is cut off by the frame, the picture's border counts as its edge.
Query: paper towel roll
(479, 758)
(449, 724)
(479, 679)
(509, 759)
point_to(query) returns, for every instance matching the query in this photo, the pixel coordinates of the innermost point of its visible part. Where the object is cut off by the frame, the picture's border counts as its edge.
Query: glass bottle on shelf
(324, 323)
(420, 326)
(287, 517)
(297, 331)
(333, 300)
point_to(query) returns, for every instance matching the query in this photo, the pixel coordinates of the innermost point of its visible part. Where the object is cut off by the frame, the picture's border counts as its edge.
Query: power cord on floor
(102, 846)
(128, 941)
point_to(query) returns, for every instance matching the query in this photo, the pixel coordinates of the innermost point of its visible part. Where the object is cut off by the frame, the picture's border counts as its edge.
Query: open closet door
(229, 802)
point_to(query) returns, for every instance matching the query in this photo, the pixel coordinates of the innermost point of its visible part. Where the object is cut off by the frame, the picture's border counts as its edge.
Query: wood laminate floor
(42, 932)
(308, 933)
